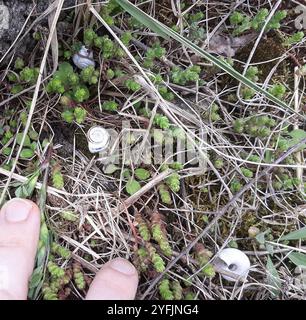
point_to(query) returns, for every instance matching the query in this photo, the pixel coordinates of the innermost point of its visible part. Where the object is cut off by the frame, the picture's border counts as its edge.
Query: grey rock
(13, 14)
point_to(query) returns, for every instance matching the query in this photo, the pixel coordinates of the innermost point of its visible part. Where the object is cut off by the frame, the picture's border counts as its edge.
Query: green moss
(78, 277)
(57, 179)
(173, 182)
(165, 291)
(60, 251)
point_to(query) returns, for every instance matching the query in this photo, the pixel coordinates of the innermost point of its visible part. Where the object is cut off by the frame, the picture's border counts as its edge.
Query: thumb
(117, 280)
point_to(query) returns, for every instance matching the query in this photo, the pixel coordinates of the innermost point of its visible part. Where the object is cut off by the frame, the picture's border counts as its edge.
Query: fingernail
(123, 266)
(17, 210)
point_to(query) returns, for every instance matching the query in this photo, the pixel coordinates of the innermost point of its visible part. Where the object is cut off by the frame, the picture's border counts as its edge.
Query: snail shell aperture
(84, 58)
(235, 262)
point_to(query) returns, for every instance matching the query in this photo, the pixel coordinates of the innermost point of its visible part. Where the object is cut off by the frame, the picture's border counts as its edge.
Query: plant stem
(45, 236)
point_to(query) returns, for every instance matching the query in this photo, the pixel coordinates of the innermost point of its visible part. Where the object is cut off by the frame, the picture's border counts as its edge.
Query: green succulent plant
(242, 22)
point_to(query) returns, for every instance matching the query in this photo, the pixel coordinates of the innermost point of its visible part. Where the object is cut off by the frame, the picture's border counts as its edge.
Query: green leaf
(142, 17)
(27, 140)
(299, 259)
(297, 136)
(270, 249)
(69, 216)
(31, 183)
(33, 135)
(42, 254)
(44, 233)
(142, 174)
(273, 277)
(21, 192)
(110, 168)
(26, 189)
(295, 235)
(6, 151)
(268, 156)
(132, 186)
(33, 145)
(126, 173)
(26, 153)
(36, 277)
(167, 32)
(261, 237)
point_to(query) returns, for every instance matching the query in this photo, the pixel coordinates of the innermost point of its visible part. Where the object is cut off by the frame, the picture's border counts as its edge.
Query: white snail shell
(236, 262)
(84, 58)
(98, 139)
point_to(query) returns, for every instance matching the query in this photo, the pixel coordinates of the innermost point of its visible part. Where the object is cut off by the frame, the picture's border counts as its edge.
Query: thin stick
(299, 170)
(132, 199)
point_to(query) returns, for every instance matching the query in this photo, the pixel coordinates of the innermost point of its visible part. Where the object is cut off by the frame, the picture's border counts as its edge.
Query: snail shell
(236, 262)
(98, 139)
(84, 58)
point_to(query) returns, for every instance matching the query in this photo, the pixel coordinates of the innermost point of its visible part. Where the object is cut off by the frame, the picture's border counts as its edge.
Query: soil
(18, 13)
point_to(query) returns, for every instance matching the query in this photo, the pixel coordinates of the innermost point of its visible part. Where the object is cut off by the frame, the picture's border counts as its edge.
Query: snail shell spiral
(84, 58)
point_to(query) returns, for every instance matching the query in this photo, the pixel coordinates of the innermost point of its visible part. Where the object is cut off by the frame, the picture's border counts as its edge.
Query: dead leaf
(228, 46)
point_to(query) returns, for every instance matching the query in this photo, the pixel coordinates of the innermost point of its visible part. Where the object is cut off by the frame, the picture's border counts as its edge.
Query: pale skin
(19, 233)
